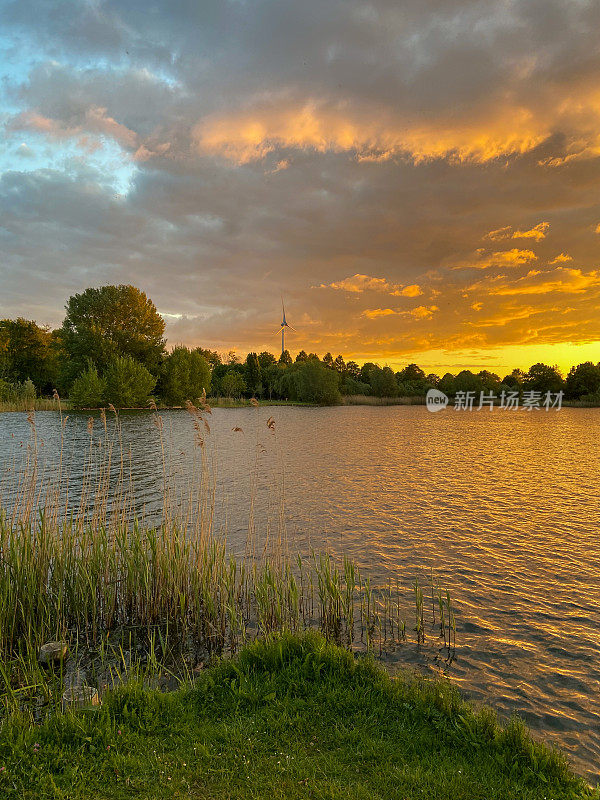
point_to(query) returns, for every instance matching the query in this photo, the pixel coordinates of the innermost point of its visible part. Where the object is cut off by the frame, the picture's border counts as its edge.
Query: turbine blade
(283, 310)
(287, 325)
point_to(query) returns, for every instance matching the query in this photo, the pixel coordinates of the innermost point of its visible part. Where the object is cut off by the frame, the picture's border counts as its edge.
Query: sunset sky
(420, 179)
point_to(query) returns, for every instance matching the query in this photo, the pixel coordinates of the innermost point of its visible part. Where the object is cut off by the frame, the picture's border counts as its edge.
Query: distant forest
(111, 349)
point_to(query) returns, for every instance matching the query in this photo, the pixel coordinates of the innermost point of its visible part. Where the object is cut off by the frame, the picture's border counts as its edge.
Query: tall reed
(82, 566)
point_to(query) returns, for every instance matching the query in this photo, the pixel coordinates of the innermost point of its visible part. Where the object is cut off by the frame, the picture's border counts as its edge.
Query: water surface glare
(502, 506)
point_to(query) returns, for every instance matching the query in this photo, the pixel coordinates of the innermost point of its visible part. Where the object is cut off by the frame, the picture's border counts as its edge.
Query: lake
(502, 506)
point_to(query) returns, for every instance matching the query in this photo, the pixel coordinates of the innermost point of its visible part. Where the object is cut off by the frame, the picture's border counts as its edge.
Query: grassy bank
(289, 718)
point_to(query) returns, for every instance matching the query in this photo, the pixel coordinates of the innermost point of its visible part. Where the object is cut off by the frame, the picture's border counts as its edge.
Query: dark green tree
(447, 384)
(185, 376)
(353, 370)
(88, 389)
(128, 383)
(328, 360)
(339, 365)
(252, 374)
(365, 371)
(285, 358)
(302, 356)
(266, 359)
(466, 381)
(514, 380)
(383, 382)
(211, 356)
(543, 378)
(584, 379)
(108, 322)
(28, 351)
(270, 379)
(490, 382)
(233, 384)
(311, 382)
(411, 374)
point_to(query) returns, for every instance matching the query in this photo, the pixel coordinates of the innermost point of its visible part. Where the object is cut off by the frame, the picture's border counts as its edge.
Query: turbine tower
(283, 326)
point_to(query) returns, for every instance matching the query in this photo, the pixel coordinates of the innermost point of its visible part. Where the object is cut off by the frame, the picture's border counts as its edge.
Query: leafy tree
(339, 365)
(411, 374)
(353, 370)
(211, 356)
(270, 379)
(433, 379)
(328, 360)
(185, 375)
(350, 386)
(302, 356)
(285, 358)
(266, 359)
(515, 380)
(490, 382)
(311, 382)
(365, 371)
(128, 383)
(253, 374)
(28, 351)
(109, 322)
(447, 384)
(233, 384)
(383, 382)
(542, 378)
(88, 389)
(584, 379)
(466, 381)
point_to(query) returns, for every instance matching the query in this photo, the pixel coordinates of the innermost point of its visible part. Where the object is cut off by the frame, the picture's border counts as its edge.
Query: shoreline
(350, 400)
(288, 717)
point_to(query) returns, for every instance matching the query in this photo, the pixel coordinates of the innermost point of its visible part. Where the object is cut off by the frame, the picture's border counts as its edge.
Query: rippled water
(503, 506)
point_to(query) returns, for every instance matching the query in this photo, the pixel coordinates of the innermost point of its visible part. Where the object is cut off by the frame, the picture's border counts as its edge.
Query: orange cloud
(499, 259)
(500, 233)
(563, 279)
(423, 312)
(371, 134)
(358, 283)
(561, 258)
(420, 312)
(537, 232)
(375, 313)
(374, 133)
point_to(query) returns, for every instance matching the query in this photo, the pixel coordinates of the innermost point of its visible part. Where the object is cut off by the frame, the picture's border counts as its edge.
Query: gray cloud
(278, 146)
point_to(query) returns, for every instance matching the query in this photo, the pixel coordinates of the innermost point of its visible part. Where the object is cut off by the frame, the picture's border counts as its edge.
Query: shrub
(128, 383)
(88, 389)
(186, 374)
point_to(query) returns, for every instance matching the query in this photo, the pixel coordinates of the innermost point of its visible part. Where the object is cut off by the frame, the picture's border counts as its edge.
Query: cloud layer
(420, 180)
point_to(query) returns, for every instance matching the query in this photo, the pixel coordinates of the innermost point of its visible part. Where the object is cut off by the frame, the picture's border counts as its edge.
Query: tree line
(111, 349)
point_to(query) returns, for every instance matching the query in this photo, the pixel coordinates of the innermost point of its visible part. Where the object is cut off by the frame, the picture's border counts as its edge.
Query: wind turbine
(283, 326)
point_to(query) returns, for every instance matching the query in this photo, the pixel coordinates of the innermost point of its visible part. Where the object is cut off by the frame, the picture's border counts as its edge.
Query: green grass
(289, 717)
